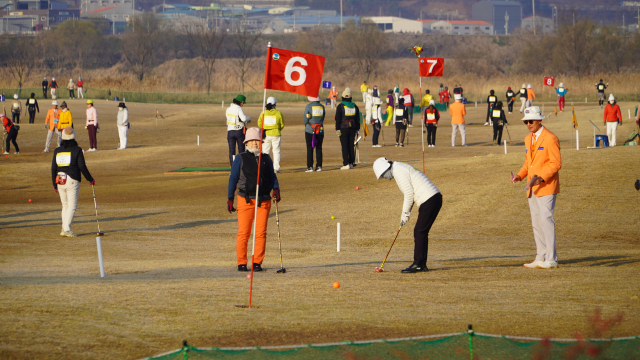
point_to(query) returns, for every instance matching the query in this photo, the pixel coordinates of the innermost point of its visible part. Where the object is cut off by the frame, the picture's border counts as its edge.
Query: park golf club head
(637, 184)
(281, 271)
(379, 270)
(100, 234)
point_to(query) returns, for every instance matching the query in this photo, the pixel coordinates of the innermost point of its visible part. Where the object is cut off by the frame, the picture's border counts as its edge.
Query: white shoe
(62, 233)
(486, 124)
(318, 169)
(309, 170)
(346, 167)
(453, 146)
(17, 153)
(533, 265)
(120, 148)
(69, 234)
(5, 153)
(434, 145)
(548, 265)
(45, 151)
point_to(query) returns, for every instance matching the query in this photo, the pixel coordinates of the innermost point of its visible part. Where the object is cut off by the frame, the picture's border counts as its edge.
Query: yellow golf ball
(333, 218)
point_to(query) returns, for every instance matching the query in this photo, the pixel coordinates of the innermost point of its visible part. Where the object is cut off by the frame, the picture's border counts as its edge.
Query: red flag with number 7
(431, 66)
(294, 72)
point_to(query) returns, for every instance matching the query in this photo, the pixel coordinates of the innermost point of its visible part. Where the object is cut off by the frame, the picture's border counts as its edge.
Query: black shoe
(242, 268)
(257, 267)
(414, 268)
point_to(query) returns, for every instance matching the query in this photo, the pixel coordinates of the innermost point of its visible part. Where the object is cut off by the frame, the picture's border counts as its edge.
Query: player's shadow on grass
(113, 218)
(27, 213)
(192, 224)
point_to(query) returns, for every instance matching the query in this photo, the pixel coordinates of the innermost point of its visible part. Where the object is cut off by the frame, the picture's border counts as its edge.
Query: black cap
(121, 105)
(64, 103)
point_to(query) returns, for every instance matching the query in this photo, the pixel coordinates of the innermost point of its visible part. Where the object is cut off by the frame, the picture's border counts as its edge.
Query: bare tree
(21, 54)
(138, 46)
(614, 48)
(246, 51)
(79, 41)
(362, 44)
(575, 47)
(206, 42)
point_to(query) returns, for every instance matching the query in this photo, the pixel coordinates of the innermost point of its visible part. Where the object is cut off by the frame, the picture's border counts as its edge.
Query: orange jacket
(543, 159)
(52, 116)
(457, 111)
(6, 123)
(333, 94)
(530, 94)
(612, 113)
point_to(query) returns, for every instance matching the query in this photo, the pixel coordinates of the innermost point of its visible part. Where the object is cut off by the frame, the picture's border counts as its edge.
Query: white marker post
(198, 140)
(505, 147)
(338, 237)
(222, 104)
(577, 141)
(98, 242)
(629, 114)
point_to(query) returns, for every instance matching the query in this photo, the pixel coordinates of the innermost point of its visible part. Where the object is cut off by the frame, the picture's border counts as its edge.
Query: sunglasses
(529, 121)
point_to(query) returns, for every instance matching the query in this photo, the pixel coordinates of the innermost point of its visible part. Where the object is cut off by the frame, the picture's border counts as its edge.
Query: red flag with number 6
(293, 72)
(549, 80)
(431, 66)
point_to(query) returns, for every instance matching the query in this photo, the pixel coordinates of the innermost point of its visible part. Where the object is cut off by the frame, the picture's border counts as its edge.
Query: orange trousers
(245, 223)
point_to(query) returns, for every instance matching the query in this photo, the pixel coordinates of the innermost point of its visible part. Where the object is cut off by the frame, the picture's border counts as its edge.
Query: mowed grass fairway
(169, 243)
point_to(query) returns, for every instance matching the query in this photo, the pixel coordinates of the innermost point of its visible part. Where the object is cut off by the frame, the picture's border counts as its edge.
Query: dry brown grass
(169, 247)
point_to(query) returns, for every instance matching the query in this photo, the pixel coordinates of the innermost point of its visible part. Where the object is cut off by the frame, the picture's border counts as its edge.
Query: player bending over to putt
(541, 167)
(417, 188)
(244, 173)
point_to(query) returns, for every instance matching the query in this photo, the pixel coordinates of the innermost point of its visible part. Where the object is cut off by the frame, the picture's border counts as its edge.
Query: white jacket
(368, 102)
(123, 117)
(236, 119)
(415, 185)
(376, 114)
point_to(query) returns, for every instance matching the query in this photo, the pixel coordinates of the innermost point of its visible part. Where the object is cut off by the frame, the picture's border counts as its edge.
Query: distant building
(289, 24)
(460, 27)
(543, 25)
(394, 24)
(498, 13)
(27, 17)
(116, 12)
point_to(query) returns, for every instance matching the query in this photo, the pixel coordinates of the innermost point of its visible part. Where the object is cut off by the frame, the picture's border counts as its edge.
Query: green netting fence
(256, 97)
(467, 346)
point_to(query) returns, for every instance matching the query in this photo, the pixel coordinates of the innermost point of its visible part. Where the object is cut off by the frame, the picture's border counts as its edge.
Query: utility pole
(341, 23)
(534, 17)
(506, 23)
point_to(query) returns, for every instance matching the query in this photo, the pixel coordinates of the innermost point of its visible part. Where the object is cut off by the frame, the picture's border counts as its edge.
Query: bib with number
(431, 116)
(231, 119)
(600, 87)
(349, 111)
(63, 159)
(32, 101)
(399, 112)
(510, 93)
(492, 99)
(270, 120)
(16, 105)
(496, 113)
(522, 91)
(561, 91)
(317, 111)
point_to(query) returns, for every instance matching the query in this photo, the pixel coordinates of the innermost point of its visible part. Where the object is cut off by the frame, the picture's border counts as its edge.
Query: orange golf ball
(29, 200)
(336, 285)
(357, 187)
(248, 276)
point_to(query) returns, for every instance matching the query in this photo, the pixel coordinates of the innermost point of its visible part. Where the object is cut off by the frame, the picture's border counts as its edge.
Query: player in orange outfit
(244, 172)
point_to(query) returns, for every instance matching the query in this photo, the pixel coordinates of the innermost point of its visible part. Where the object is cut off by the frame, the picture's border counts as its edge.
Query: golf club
(507, 127)
(379, 270)
(637, 184)
(282, 269)
(382, 131)
(100, 233)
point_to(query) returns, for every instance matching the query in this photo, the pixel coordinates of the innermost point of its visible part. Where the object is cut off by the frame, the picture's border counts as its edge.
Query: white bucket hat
(271, 100)
(313, 98)
(380, 166)
(54, 102)
(431, 102)
(15, 96)
(611, 97)
(457, 97)
(252, 134)
(532, 113)
(561, 84)
(529, 86)
(377, 101)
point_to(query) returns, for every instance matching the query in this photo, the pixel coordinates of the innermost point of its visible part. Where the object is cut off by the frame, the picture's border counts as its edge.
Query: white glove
(248, 120)
(338, 132)
(404, 218)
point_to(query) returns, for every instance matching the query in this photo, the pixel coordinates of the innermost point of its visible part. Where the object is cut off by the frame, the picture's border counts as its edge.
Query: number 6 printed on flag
(283, 64)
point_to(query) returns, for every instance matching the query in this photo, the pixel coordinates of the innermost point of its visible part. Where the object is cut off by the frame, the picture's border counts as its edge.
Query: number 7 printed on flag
(431, 67)
(294, 72)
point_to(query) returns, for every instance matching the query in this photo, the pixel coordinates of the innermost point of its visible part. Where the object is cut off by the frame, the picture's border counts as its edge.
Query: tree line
(357, 50)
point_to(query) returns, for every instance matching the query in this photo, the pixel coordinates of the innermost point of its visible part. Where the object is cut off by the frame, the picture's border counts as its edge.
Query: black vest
(250, 171)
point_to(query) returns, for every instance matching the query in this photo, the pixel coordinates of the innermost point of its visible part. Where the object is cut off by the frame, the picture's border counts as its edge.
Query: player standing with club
(418, 189)
(314, 131)
(347, 127)
(66, 167)
(541, 166)
(612, 118)
(601, 87)
(236, 126)
(244, 173)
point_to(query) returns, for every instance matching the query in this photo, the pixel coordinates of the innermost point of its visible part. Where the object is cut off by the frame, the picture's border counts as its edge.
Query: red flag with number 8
(293, 72)
(431, 66)
(549, 80)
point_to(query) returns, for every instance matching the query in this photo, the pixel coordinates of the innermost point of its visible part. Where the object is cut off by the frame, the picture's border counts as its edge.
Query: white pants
(529, 103)
(266, 147)
(364, 97)
(47, 144)
(612, 127)
(368, 116)
(53, 94)
(524, 104)
(395, 94)
(59, 135)
(544, 231)
(122, 131)
(69, 197)
(455, 132)
(80, 93)
(333, 103)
